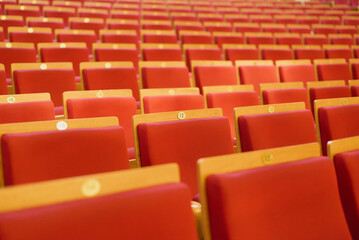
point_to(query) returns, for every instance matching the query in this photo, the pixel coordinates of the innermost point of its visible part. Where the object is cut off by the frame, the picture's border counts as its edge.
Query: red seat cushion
(338, 71)
(38, 37)
(242, 54)
(184, 142)
(262, 131)
(111, 78)
(162, 211)
(89, 39)
(328, 92)
(339, 53)
(153, 104)
(294, 200)
(297, 73)
(230, 100)
(202, 54)
(220, 40)
(215, 75)
(257, 74)
(26, 112)
(40, 156)
(154, 38)
(165, 77)
(162, 54)
(197, 39)
(121, 107)
(274, 96)
(277, 54)
(53, 81)
(3, 83)
(308, 54)
(355, 90)
(257, 40)
(338, 122)
(16, 55)
(355, 70)
(104, 54)
(347, 170)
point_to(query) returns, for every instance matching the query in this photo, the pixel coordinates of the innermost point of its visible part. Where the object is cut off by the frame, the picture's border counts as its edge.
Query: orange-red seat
(165, 103)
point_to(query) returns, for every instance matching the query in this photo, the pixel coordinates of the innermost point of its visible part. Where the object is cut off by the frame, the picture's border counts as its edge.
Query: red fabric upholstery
(338, 122)
(342, 40)
(3, 83)
(111, 78)
(41, 156)
(157, 26)
(23, 12)
(16, 55)
(244, 29)
(162, 54)
(241, 54)
(355, 70)
(91, 14)
(68, 54)
(294, 200)
(338, 53)
(89, 39)
(230, 100)
(220, 40)
(30, 37)
(162, 212)
(277, 54)
(355, 91)
(215, 75)
(347, 169)
(219, 29)
(324, 30)
(197, 39)
(165, 77)
(297, 73)
(153, 104)
(262, 131)
(274, 29)
(202, 54)
(96, 26)
(115, 38)
(328, 92)
(104, 54)
(65, 15)
(257, 74)
(128, 26)
(299, 29)
(26, 112)
(5, 23)
(48, 24)
(154, 38)
(184, 142)
(338, 71)
(308, 54)
(257, 40)
(288, 95)
(289, 40)
(315, 40)
(121, 107)
(53, 81)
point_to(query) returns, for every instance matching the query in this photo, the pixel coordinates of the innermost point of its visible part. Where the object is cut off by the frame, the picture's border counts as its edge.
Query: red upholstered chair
(296, 71)
(276, 52)
(103, 103)
(214, 73)
(244, 27)
(156, 24)
(3, 83)
(164, 74)
(278, 125)
(16, 53)
(336, 119)
(332, 20)
(218, 27)
(235, 191)
(259, 38)
(132, 14)
(221, 38)
(154, 199)
(181, 141)
(95, 24)
(288, 39)
(228, 98)
(235, 52)
(63, 12)
(315, 39)
(30, 35)
(119, 36)
(26, 108)
(354, 87)
(11, 21)
(274, 93)
(299, 28)
(273, 27)
(327, 89)
(195, 37)
(323, 29)
(159, 36)
(285, 19)
(54, 78)
(310, 52)
(354, 66)
(155, 104)
(201, 52)
(31, 155)
(39, 22)
(345, 39)
(93, 13)
(75, 53)
(110, 75)
(344, 152)
(161, 52)
(346, 29)
(332, 69)
(338, 51)
(123, 24)
(256, 72)
(24, 11)
(116, 52)
(69, 35)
